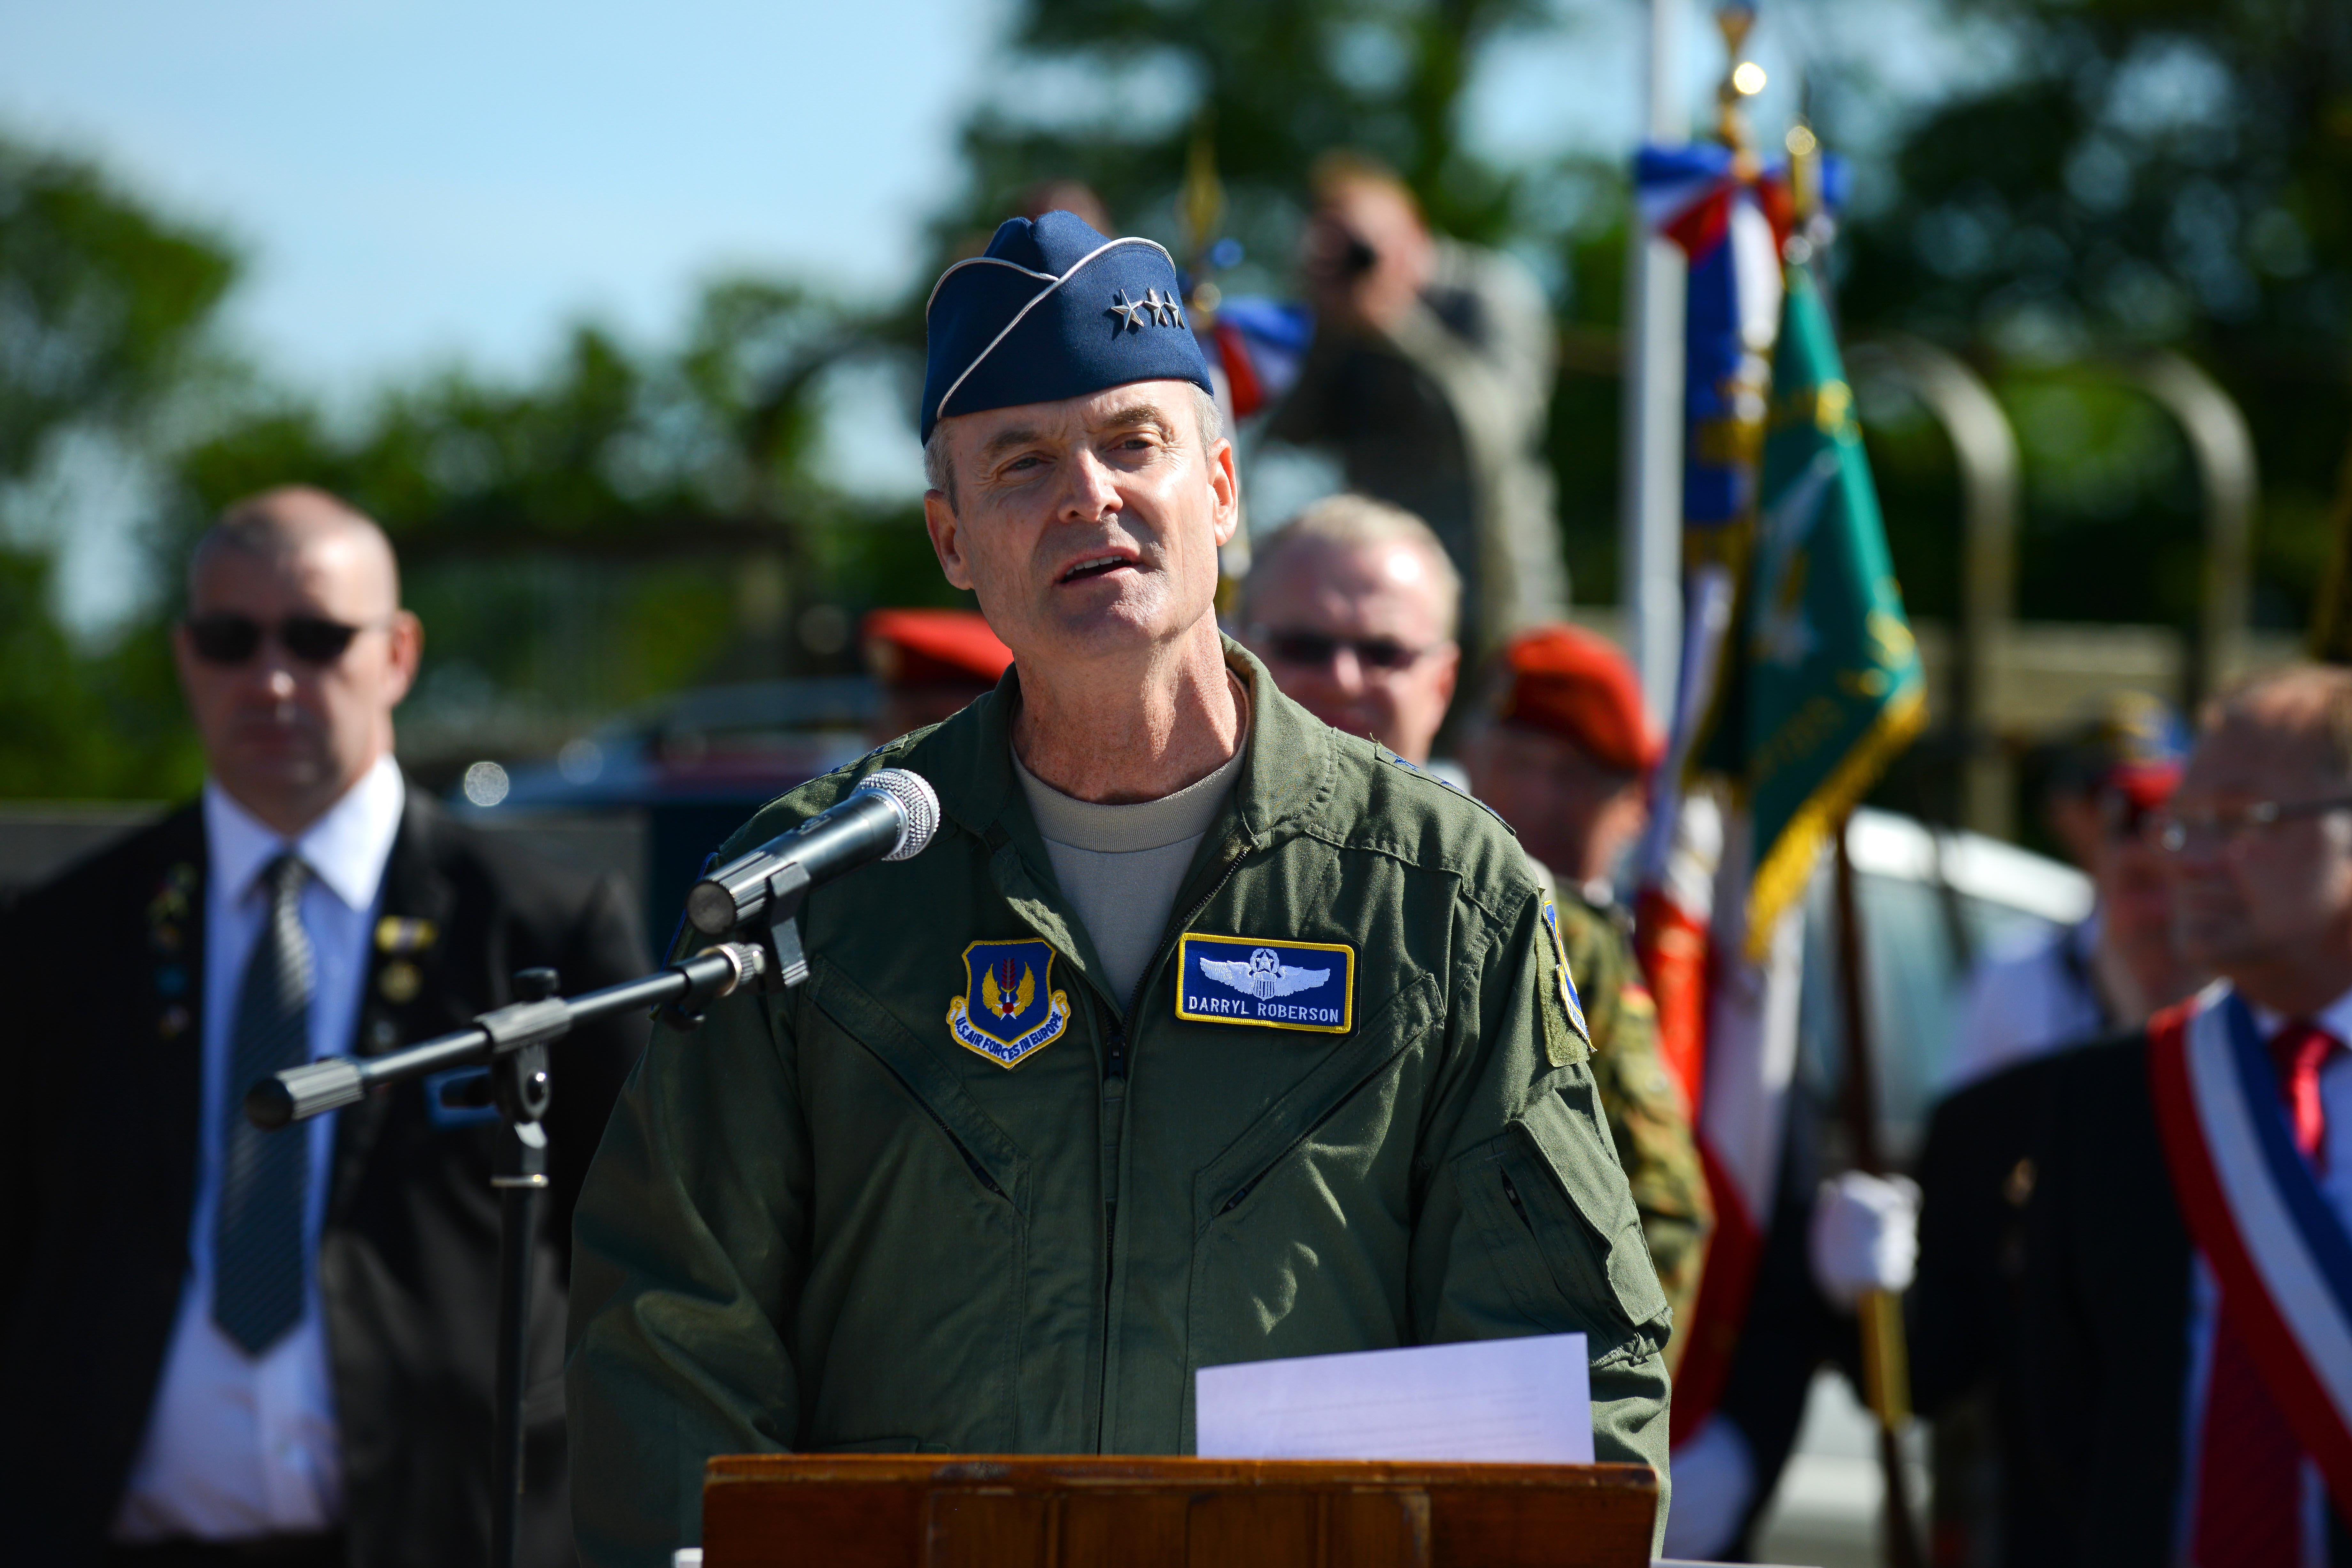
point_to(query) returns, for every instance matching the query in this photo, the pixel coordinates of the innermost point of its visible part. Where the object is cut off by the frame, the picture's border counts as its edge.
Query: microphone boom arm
(332, 1082)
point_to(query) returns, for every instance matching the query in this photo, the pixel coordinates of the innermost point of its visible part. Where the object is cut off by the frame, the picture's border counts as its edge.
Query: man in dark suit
(219, 1345)
(2178, 1419)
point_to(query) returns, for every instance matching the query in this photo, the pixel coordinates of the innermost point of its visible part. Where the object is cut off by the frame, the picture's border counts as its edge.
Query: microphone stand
(513, 1041)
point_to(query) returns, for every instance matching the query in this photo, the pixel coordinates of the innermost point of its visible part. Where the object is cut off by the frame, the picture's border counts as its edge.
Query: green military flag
(1821, 684)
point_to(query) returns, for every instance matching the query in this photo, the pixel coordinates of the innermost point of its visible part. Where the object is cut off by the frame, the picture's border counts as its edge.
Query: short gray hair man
(1353, 606)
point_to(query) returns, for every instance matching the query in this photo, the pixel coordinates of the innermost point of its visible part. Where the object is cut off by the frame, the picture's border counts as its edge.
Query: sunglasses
(222, 637)
(1316, 650)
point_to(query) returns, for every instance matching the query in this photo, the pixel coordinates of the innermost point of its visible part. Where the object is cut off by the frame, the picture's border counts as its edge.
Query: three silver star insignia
(1152, 309)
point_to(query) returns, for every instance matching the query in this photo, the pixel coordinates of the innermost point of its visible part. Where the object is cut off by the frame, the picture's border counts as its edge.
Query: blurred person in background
(1352, 606)
(1564, 754)
(1073, 196)
(2186, 1336)
(1431, 374)
(222, 1346)
(1986, 1139)
(2120, 962)
(931, 665)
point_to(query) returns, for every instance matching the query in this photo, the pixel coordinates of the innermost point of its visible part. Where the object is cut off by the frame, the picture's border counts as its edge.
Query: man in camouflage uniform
(1564, 755)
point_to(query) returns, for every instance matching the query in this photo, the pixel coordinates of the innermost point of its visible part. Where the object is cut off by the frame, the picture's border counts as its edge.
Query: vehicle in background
(670, 783)
(1930, 901)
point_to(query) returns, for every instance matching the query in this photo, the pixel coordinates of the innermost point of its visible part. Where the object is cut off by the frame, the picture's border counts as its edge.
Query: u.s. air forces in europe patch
(1009, 1009)
(1272, 984)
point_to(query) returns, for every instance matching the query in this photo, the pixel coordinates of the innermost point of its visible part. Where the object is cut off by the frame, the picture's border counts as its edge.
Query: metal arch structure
(2221, 446)
(1985, 451)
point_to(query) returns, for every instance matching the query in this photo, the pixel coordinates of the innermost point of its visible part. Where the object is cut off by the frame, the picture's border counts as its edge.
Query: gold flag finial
(1201, 206)
(1804, 173)
(1743, 79)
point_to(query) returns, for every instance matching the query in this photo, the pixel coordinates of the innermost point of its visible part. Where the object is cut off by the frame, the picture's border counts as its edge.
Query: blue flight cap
(1053, 310)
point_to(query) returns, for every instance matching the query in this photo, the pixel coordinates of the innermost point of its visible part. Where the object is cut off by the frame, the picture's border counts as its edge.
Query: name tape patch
(1272, 984)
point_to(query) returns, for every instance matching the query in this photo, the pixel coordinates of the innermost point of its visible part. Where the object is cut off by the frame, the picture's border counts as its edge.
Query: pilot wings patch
(1271, 983)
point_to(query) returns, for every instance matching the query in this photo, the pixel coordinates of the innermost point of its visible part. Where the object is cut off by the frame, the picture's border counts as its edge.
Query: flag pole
(1650, 494)
(1886, 1362)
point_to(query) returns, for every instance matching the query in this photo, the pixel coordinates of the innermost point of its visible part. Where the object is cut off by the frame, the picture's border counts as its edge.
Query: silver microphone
(890, 815)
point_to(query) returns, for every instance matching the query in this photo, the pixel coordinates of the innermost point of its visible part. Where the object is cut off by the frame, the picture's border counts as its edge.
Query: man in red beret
(931, 665)
(1566, 759)
(1563, 754)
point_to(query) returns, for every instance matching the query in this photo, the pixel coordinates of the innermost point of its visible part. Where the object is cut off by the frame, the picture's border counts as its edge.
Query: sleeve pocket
(1559, 1221)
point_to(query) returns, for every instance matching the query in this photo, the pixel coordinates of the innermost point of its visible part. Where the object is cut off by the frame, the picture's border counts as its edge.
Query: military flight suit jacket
(824, 1223)
(1644, 1105)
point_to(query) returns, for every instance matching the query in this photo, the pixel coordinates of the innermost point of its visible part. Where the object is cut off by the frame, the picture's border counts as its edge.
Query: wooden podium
(890, 1510)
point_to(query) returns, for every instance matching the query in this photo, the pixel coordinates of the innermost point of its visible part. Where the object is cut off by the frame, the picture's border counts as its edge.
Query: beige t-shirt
(1122, 867)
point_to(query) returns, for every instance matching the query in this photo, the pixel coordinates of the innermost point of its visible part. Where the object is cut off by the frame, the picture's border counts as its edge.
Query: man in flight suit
(1200, 1033)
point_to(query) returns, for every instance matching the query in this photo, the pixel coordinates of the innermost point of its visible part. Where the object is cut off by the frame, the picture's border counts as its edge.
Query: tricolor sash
(2255, 1209)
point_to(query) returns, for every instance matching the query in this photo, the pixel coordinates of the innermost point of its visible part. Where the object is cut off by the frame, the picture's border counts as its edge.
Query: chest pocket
(1229, 1181)
(1560, 1224)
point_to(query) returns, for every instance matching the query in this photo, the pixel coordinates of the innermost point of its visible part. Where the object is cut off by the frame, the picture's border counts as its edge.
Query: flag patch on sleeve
(1567, 982)
(1270, 984)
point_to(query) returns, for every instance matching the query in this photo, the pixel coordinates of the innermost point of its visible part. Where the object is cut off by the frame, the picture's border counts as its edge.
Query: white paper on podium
(1523, 1401)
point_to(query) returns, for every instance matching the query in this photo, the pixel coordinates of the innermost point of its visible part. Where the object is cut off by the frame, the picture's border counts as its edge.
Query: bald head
(282, 525)
(294, 652)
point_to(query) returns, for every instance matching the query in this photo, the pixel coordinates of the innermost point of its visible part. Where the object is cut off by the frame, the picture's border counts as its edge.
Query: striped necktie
(257, 1252)
(2249, 1476)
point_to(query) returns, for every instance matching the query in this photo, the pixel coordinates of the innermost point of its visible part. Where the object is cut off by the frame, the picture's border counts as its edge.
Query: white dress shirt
(2026, 999)
(2205, 1290)
(240, 1446)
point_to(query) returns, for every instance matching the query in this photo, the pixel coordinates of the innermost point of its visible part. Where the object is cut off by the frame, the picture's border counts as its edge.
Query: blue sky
(423, 179)
(420, 183)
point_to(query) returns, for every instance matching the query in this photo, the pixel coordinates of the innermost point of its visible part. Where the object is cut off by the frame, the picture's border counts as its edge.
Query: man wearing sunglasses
(223, 1345)
(1352, 606)
(2186, 1343)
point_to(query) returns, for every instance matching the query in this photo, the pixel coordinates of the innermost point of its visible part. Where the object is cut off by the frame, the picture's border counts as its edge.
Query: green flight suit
(1644, 1105)
(821, 1224)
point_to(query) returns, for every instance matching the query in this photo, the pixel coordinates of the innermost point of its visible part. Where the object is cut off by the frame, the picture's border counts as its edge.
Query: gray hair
(2308, 702)
(1350, 522)
(939, 466)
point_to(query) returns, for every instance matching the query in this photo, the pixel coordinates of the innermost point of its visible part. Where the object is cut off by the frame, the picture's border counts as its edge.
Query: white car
(1929, 902)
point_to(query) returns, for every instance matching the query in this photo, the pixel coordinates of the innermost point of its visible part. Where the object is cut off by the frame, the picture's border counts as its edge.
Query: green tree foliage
(104, 311)
(2155, 171)
(627, 522)
(76, 722)
(1112, 93)
(102, 303)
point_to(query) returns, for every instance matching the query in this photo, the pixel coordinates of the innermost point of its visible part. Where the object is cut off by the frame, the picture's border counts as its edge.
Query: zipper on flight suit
(1115, 1055)
(1518, 1205)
